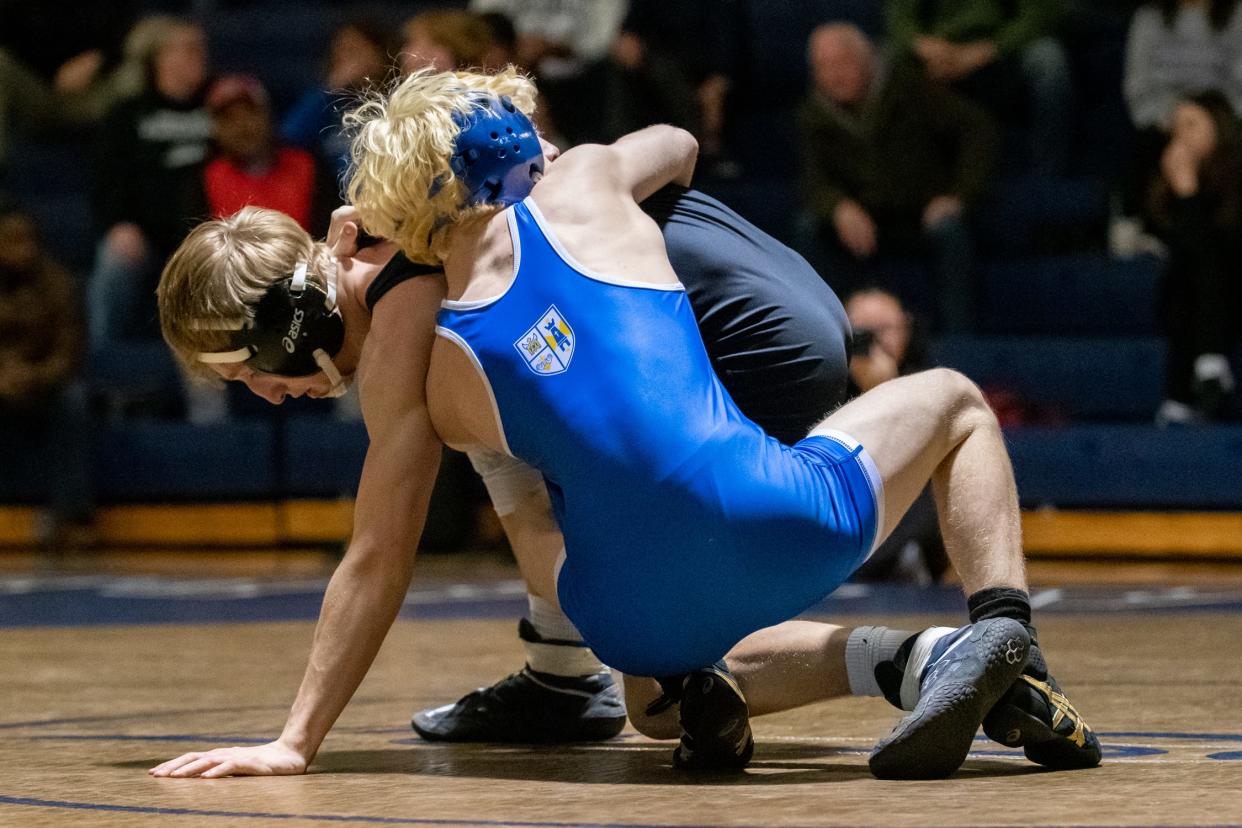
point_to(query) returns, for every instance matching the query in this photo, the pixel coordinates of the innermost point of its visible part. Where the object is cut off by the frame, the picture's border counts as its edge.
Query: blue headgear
(497, 155)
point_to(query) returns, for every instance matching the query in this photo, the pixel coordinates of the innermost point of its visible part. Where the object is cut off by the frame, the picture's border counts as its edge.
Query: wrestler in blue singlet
(686, 527)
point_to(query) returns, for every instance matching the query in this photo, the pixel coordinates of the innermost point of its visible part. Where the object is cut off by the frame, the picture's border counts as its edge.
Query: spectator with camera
(887, 344)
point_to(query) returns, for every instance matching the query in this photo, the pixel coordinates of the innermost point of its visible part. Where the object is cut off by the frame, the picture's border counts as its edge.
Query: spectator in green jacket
(892, 163)
(998, 52)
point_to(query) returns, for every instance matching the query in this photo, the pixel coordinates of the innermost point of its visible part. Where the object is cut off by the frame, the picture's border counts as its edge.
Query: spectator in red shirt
(252, 168)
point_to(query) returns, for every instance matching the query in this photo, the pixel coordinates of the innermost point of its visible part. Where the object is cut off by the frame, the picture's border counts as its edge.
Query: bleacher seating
(1079, 295)
(1118, 380)
(322, 456)
(1062, 325)
(1128, 467)
(1028, 214)
(151, 460)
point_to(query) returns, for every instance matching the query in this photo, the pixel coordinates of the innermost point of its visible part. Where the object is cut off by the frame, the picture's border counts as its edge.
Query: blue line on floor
(150, 809)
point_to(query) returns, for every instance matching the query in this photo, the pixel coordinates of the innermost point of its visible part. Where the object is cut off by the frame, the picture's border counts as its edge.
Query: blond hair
(400, 177)
(222, 270)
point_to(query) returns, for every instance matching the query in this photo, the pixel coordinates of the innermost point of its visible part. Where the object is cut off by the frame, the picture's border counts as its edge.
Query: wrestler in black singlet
(777, 335)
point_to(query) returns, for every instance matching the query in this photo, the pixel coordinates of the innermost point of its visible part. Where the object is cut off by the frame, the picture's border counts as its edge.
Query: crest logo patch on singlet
(548, 345)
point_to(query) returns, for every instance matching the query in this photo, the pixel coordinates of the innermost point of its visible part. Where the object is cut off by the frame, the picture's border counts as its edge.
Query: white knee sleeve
(507, 479)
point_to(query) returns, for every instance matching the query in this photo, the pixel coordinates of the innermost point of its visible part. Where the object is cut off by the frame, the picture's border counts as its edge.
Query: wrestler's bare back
(590, 200)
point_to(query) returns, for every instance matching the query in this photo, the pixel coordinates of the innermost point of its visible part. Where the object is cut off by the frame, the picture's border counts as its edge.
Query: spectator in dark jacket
(1196, 207)
(675, 60)
(892, 164)
(997, 52)
(151, 150)
(45, 428)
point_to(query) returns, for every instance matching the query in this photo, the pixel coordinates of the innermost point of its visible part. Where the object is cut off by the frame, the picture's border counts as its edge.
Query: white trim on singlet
(869, 470)
(475, 304)
(453, 337)
(582, 270)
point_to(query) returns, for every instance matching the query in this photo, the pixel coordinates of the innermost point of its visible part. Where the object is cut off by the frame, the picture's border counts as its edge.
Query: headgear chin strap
(296, 331)
(496, 155)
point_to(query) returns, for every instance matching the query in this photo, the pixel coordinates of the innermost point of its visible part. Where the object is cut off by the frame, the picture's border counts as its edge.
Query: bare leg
(778, 668)
(536, 542)
(937, 426)
(563, 694)
(790, 665)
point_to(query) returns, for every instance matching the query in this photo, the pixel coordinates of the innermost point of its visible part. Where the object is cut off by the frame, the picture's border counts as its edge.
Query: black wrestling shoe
(956, 678)
(1035, 715)
(530, 707)
(715, 722)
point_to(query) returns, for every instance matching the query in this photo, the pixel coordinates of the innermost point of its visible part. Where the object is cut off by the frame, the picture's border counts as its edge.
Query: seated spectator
(252, 168)
(997, 52)
(1175, 48)
(52, 67)
(444, 40)
(150, 154)
(566, 43)
(357, 59)
(502, 51)
(43, 418)
(1196, 207)
(887, 345)
(892, 164)
(557, 37)
(674, 62)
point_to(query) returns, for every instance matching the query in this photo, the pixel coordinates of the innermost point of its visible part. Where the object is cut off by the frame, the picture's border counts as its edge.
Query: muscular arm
(367, 589)
(646, 160)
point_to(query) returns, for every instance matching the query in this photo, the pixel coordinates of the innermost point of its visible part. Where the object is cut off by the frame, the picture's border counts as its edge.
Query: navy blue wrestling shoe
(530, 707)
(715, 721)
(952, 680)
(1035, 715)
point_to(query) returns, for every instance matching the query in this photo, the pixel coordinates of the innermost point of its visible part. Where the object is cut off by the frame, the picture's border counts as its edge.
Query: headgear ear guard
(497, 155)
(296, 331)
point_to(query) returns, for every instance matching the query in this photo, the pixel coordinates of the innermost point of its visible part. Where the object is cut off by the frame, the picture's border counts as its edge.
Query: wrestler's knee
(961, 403)
(965, 407)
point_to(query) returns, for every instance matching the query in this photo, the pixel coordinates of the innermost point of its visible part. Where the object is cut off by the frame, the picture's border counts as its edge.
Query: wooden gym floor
(119, 663)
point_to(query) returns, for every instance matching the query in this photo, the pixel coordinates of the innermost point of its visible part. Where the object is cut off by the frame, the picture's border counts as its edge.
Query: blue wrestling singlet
(686, 527)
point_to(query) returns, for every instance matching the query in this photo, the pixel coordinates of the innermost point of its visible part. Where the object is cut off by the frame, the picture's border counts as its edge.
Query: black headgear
(296, 331)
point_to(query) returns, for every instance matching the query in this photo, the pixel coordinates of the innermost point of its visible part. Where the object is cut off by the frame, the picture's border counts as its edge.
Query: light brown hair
(222, 270)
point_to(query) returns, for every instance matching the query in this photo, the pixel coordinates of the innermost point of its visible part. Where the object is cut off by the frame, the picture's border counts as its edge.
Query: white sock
(549, 621)
(1214, 367)
(561, 659)
(864, 649)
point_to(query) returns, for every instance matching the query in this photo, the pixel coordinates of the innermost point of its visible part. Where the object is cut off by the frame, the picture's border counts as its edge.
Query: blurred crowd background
(1046, 194)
